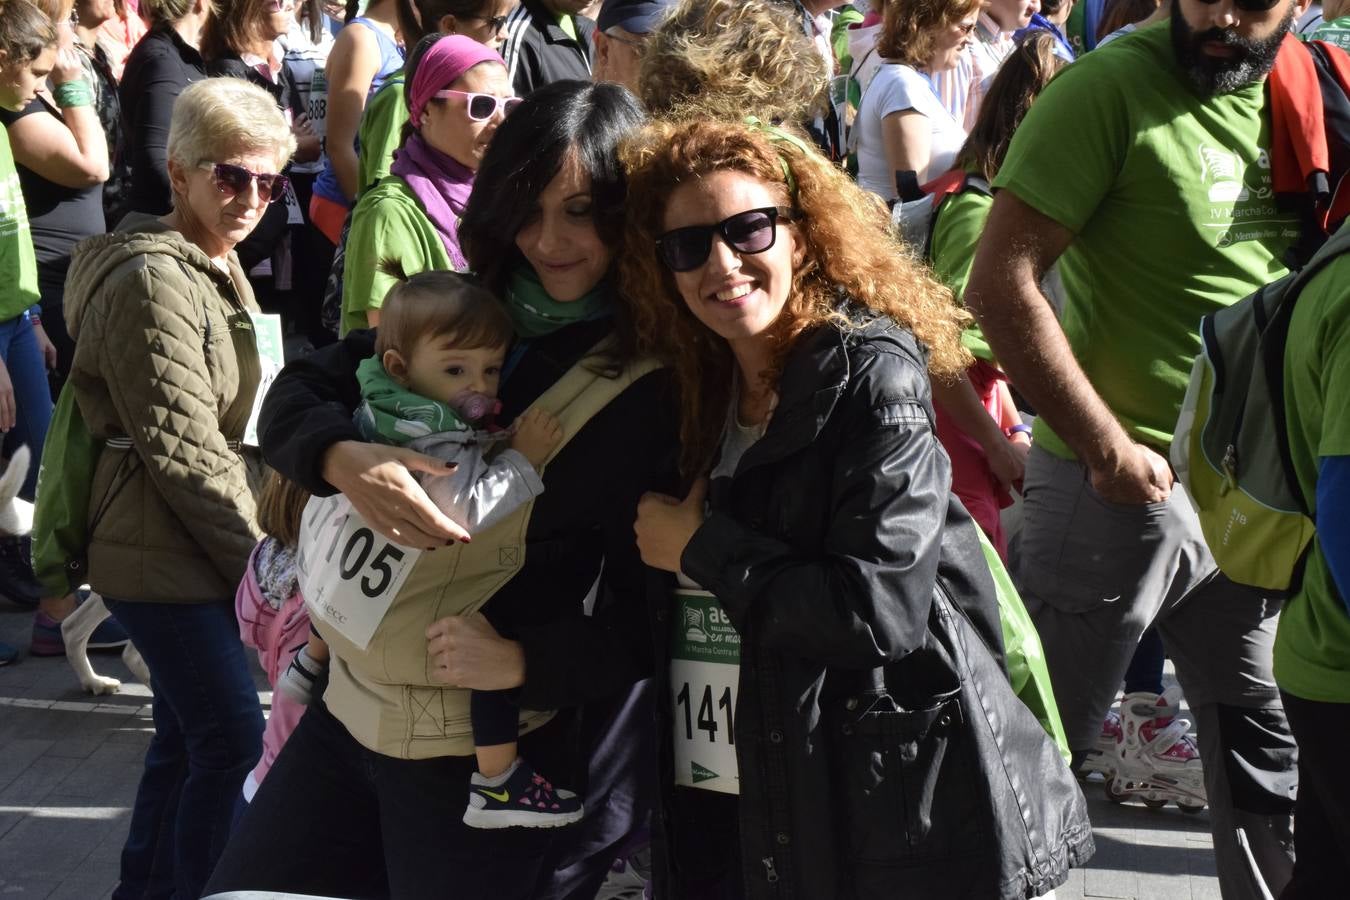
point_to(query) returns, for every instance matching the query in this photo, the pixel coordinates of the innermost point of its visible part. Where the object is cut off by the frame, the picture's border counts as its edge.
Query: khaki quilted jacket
(164, 356)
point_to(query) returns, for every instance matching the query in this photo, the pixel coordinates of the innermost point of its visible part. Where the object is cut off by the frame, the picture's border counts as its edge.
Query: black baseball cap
(637, 16)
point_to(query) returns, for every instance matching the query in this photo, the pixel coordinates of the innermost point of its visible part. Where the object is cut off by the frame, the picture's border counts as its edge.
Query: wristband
(1019, 428)
(74, 93)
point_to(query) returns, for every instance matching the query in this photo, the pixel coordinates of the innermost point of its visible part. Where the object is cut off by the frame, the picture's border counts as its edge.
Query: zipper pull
(1229, 466)
(770, 873)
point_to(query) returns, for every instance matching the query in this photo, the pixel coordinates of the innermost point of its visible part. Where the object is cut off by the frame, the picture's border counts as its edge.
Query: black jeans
(1322, 811)
(333, 818)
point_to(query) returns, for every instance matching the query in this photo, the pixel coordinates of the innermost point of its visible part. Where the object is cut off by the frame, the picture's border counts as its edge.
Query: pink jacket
(277, 635)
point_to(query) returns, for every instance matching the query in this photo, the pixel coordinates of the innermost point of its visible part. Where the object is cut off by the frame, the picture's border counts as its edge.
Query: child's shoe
(519, 797)
(297, 682)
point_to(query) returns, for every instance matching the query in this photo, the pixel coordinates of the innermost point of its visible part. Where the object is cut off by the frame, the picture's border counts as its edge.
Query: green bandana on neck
(535, 314)
(392, 414)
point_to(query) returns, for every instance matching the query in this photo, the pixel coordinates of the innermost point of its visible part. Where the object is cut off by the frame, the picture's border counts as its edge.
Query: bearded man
(1144, 169)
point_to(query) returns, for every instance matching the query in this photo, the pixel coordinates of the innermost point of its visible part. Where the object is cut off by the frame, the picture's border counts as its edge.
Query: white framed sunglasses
(481, 107)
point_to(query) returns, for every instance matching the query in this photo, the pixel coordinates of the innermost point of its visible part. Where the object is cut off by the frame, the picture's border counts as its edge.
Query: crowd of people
(727, 434)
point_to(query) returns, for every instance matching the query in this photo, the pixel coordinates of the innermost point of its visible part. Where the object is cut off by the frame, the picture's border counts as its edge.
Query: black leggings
(333, 818)
(1322, 811)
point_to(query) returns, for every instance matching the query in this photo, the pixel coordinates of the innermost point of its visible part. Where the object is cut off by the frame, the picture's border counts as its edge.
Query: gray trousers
(1094, 575)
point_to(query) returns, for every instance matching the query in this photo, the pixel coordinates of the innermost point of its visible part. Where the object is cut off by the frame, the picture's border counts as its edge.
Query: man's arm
(1018, 247)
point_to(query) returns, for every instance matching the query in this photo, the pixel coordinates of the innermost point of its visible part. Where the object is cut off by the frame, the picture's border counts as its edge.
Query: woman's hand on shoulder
(378, 481)
(665, 525)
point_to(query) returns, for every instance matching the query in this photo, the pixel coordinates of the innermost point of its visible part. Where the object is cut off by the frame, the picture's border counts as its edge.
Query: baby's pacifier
(476, 408)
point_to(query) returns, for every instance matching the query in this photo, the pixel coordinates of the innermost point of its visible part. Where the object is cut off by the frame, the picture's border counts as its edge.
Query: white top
(897, 88)
(1119, 33)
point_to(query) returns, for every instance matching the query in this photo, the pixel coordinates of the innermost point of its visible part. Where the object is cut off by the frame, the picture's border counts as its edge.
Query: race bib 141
(349, 573)
(705, 668)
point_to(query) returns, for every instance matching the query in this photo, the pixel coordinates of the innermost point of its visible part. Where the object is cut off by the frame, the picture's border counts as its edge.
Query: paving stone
(37, 781)
(70, 764)
(18, 754)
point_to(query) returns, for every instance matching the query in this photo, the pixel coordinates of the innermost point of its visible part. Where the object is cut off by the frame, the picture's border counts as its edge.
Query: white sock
(497, 780)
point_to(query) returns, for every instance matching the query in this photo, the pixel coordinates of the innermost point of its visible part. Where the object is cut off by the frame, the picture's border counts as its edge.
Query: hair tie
(779, 136)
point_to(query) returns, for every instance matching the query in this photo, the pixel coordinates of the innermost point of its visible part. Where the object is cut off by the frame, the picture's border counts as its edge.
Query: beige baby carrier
(384, 694)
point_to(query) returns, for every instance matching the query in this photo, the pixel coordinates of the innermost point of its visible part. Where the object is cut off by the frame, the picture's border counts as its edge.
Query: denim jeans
(32, 394)
(208, 736)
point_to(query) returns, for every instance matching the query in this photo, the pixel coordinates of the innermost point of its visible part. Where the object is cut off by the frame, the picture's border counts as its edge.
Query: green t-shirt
(388, 223)
(18, 264)
(381, 127)
(1312, 643)
(960, 221)
(1170, 201)
(1336, 31)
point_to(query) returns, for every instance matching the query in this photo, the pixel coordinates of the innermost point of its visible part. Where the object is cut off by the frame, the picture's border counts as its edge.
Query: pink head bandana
(447, 60)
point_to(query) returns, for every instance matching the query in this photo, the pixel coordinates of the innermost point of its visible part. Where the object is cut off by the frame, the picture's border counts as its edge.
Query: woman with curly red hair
(878, 742)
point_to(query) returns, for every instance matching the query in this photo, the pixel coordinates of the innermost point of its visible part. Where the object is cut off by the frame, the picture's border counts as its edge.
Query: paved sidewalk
(69, 764)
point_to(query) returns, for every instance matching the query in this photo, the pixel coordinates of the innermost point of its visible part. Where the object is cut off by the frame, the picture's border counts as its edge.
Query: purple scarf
(441, 185)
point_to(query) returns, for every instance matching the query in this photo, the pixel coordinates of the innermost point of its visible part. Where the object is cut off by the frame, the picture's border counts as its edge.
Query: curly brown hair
(730, 57)
(848, 244)
(909, 28)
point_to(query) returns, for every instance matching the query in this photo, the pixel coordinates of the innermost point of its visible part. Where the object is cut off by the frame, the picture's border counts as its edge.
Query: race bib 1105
(705, 668)
(349, 573)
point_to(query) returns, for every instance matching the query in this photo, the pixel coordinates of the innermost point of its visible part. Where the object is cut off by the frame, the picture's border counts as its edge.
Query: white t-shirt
(897, 88)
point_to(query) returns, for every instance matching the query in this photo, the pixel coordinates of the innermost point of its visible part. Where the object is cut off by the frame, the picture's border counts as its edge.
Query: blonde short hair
(220, 117)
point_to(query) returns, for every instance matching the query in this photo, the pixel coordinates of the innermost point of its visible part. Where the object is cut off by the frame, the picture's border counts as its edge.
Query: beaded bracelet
(74, 93)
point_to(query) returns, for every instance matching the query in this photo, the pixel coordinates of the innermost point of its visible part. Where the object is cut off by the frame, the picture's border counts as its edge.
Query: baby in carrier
(432, 386)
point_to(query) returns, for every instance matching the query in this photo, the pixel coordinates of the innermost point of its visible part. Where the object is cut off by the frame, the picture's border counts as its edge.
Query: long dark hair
(430, 12)
(563, 119)
(1021, 78)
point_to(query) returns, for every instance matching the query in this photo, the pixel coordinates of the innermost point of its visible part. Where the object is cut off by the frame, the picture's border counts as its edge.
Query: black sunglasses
(494, 23)
(234, 180)
(752, 231)
(1248, 5)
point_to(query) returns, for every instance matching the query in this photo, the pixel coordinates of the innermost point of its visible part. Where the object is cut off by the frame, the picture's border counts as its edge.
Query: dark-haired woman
(241, 40)
(367, 797)
(459, 95)
(165, 61)
(382, 122)
(977, 422)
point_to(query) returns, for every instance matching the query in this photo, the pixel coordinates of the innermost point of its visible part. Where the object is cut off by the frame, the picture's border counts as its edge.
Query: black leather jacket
(869, 625)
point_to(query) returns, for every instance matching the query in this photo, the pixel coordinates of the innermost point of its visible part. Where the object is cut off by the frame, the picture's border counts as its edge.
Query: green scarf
(535, 314)
(392, 414)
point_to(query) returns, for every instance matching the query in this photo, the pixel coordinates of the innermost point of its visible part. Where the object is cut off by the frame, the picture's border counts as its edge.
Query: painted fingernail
(452, 465)
(464, 540)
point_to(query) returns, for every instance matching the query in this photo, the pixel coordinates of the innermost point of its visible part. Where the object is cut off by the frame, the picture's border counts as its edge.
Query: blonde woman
(165, 373)
(902, 126)
(877, 738)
